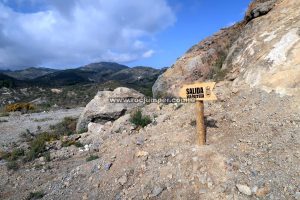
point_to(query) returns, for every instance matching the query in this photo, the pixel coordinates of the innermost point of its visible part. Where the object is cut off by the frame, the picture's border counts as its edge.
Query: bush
(71, 142)
(217, 72)
(35, 195)
(12, 165)
(14, 155)
(91, 157)
(17, 153)
(24, 107)
(66, 127)
(38, 145)
(139, 120)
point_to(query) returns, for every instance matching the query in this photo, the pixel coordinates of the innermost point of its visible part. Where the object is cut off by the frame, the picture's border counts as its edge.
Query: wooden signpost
(199, 92)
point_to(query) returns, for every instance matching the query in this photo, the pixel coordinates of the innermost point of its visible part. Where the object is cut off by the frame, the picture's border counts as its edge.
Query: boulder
(102, 108)
(258, 8)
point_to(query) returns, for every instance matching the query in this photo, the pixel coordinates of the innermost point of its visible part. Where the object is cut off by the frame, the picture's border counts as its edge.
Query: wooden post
(201, 131)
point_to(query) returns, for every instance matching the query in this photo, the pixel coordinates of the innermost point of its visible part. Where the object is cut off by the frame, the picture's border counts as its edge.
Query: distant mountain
(9, 82)
(140, 75)
(29, 73)
(100, 73)
(95, 72)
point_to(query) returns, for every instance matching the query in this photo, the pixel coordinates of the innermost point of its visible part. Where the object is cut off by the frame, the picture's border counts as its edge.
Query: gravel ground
(13, 125)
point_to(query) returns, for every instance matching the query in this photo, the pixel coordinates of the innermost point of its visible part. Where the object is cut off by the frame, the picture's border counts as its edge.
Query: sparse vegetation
(23, 107)
(71, 142)
(193, 123)
(27, 135)
(12, 165)
(4, 114)
(38, 145)
(217, 72)
(139, 120)
(91, 157)
(35, 195)
(66, 127)
(14, 155)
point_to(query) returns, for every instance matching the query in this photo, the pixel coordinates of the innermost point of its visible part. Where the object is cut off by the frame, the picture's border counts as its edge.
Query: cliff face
(260, 51)
(267, 53)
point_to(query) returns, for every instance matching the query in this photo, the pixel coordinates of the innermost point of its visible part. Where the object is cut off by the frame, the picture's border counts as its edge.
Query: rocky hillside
(261, 51)
(29, 73)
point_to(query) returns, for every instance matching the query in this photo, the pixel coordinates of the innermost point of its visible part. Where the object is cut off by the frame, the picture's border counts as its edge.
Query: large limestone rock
(101, 109)
(267, 53)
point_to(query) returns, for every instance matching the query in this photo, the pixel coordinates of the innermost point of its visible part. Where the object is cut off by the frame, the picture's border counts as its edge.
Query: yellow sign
(198, 91)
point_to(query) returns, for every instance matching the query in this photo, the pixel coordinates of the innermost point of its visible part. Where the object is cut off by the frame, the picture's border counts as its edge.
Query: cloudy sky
(70, 33)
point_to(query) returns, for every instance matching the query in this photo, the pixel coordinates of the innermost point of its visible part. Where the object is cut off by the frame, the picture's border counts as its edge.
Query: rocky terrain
(149, 151)
(252, 153)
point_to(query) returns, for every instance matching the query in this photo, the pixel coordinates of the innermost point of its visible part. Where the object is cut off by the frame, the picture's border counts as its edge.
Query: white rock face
(266, 55)
(278, 55)
(95, 128)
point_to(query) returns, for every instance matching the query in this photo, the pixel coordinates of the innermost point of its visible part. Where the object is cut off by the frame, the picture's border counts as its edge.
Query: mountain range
(92, 73)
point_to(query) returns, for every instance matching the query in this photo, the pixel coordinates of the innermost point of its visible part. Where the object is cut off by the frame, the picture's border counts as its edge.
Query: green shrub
(17, 153)
(91, 157)
(47, 156)
(35, 195)
(139, 120)
(38, 145)
(217, 73)
(14, 155)
(66, 127)
(12, 165)
(71, 142)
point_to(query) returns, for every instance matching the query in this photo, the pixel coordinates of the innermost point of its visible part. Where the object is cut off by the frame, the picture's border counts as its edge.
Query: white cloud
(148, 53)
(75, 32)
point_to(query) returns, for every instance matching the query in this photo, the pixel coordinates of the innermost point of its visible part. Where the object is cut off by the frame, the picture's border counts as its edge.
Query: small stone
(297, 195)
(107, 166)
(209, 183)
(122, 180)
(261, 192)
(85, 196)
(254, 189)
(42, 159)
(141, 154)
(156, 191)
(202, 191)
(140, 141)
(244, 189)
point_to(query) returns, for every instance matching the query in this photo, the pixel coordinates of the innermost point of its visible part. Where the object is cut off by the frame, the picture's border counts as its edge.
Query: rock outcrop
(199, 63)
(261, 51)
(101, 109)
(266, 55)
